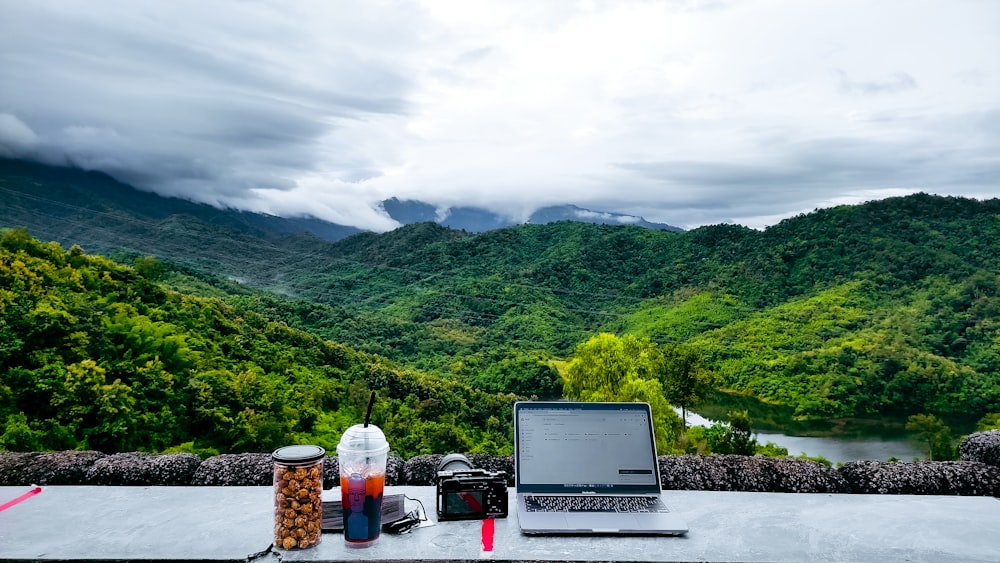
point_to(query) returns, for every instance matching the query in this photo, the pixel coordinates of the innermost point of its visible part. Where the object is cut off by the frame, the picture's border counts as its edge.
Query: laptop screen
(565, 447)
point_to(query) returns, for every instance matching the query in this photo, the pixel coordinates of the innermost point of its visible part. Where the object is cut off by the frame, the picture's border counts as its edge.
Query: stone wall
(978, 473)
(981, 446)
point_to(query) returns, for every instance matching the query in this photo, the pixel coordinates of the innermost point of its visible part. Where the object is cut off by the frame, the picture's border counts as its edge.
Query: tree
(742, 440)
(18, 436)
(933, 432)
(734, 438)
(601, 365)
(609, 368)
(989, 422)
(150, 268)
(685, 381)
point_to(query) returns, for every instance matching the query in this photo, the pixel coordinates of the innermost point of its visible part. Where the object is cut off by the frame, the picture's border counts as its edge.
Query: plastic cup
(362, 454)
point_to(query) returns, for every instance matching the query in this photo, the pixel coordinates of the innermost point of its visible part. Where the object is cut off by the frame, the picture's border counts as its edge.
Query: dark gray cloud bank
(684, 112)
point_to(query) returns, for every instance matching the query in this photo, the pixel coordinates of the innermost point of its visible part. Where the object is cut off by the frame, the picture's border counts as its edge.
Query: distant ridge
(50, 199)
(574, 213)
(478, 220)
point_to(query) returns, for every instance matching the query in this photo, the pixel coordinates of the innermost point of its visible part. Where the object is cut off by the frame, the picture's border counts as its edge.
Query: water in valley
(836, 449)
(840, 440)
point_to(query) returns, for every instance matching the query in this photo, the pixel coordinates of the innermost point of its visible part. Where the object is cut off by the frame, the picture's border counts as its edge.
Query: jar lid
(298, 454)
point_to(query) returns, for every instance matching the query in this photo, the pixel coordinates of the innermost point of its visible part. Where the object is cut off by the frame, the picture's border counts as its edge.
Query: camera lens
(454, 462)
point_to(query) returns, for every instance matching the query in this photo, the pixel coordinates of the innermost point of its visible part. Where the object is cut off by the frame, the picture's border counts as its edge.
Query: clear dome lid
(361, 439)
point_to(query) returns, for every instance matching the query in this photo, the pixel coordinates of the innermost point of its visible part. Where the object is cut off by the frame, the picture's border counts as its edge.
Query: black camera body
(465, 493)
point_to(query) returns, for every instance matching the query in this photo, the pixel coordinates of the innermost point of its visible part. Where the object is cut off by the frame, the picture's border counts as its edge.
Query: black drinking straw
(368, 415)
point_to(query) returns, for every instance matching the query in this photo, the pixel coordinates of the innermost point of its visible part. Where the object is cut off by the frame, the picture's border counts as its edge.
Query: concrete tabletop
(70, 523)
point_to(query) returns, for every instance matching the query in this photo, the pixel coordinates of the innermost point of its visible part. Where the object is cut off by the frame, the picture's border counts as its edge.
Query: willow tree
(609, 368)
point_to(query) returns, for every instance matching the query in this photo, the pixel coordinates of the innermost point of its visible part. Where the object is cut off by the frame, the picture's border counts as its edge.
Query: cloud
(16, 139)
(603, 216)
(204, 102)
(898, 82)
(685, 112)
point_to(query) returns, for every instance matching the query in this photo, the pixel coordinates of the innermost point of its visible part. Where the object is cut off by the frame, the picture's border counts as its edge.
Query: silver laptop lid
(570, 447)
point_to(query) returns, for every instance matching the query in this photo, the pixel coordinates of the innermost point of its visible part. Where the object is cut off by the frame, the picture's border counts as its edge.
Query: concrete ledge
(235, 524)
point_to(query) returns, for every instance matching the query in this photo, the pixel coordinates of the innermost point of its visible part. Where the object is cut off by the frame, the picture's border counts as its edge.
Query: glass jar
(298, 496)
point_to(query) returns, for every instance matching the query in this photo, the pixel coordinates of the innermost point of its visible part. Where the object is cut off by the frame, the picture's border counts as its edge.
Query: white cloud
(16, 139)
(684, 112)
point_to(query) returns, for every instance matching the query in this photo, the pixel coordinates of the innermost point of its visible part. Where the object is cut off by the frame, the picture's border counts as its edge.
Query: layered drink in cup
(362, 454)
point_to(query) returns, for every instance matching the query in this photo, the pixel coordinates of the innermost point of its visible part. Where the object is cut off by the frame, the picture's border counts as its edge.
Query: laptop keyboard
(548, 503)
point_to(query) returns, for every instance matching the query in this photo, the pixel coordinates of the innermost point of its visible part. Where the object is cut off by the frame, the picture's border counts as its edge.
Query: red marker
(488, 525)
(34, 491)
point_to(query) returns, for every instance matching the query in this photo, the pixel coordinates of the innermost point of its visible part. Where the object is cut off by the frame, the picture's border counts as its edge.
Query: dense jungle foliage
(94, 354)
(890, 307)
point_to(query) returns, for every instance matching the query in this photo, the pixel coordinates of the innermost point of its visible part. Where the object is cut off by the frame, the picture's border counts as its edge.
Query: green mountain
(887, 307)
(93, 210)
(98, 355)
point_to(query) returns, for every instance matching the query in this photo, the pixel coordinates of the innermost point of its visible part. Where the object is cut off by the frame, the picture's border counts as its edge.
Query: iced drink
(362, 455)
(362, 507)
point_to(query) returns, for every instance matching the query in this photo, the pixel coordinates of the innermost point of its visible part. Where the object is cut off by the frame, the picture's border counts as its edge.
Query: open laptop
(588, 468)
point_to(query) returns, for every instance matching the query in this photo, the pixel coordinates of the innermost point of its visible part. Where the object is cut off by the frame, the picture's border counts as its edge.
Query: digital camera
(465, 493)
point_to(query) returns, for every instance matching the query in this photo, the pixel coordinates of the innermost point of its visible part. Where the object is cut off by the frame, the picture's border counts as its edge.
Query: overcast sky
(687, 112)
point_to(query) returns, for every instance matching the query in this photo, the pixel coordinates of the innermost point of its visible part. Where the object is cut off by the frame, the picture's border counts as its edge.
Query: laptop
(588, 468)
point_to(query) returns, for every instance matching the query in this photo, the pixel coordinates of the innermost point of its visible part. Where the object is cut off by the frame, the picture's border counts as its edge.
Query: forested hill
(889, 306)
(98, 355)
(95, 211)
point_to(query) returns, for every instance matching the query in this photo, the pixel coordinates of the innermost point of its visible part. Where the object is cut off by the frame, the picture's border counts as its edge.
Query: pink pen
(35, 489)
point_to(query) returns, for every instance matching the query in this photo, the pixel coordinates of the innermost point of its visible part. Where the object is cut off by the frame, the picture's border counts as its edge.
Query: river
(835, 449)
(839, 440)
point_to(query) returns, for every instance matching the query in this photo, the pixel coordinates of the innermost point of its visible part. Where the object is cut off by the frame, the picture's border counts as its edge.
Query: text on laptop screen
(585, 448)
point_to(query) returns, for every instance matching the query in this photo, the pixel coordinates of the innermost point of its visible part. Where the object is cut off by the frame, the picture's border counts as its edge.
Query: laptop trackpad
(602, 522)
